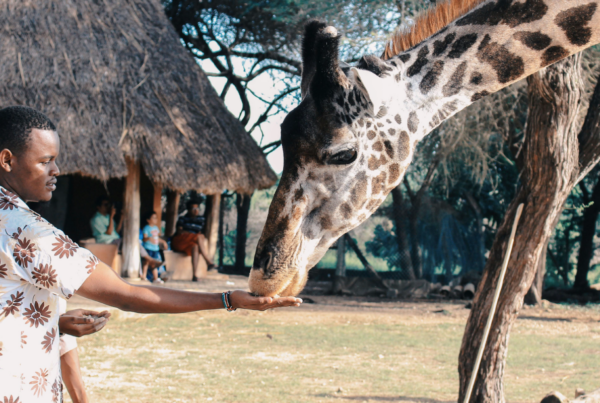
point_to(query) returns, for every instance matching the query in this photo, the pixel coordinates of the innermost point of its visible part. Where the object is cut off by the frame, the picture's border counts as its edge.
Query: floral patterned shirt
(39, 264)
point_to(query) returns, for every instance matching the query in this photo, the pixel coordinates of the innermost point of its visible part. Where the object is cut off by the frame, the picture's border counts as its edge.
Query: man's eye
(343, 158)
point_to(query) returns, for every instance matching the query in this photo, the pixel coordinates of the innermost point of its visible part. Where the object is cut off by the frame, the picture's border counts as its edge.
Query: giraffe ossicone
(350, 140)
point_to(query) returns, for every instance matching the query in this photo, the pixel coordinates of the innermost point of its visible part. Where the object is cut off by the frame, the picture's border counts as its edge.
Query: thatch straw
(115, 79)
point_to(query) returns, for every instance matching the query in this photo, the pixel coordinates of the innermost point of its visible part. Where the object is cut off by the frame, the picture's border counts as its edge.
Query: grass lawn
(333, 351)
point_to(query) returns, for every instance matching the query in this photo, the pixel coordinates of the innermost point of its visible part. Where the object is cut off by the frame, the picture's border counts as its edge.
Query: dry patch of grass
(328, 352)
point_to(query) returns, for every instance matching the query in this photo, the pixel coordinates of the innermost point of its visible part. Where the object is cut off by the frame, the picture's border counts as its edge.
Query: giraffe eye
(343, 157)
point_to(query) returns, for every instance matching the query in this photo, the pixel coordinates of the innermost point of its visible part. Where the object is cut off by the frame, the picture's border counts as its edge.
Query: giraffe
(353, 135)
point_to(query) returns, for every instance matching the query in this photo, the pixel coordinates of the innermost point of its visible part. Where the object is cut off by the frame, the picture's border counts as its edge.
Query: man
(103, 222)
(189, 238)
(39, 264)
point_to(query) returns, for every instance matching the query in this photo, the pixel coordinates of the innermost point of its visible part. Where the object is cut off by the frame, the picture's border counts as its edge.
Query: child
(151, 242)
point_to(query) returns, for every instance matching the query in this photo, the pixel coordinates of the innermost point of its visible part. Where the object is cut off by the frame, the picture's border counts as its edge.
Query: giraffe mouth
(288, 282)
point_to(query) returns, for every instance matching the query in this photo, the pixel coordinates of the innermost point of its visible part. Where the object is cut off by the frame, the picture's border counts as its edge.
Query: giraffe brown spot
(379, 124)
(369, 123)
(325, 222)
(362, 217)
(403, 146)
(298, 194)
(461, 45)
(574, 22)
(378, 183)
(346, 210)
(381, 113)
(392, 132)
(378, 146)
(533, 40)
(398, 119)
(421, 61)
(431, 78)
(478, 95)
(404, 57)
(358, 194)
(371, 134)
(506, 12)
(413, 122)
(440, 47)
(453, 86)
(394, 172)
(373, 163)
(372, 205)
(507, 65)
(361, 122)
(476, 78)
(388, 121)
(389, 150)
(382, 133)
(553, 54)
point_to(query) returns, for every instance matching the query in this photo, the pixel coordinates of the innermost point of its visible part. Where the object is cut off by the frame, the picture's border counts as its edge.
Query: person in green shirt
(103, 222)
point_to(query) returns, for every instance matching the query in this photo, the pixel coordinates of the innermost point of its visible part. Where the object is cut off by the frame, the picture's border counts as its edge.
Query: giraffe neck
(490, 47)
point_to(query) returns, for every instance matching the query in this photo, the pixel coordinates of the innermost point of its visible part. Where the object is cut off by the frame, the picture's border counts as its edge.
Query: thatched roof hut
(115, 79)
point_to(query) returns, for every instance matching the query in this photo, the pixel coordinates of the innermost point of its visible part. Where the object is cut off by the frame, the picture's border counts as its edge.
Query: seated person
(189, 238)
(103, 222)
(151, 243)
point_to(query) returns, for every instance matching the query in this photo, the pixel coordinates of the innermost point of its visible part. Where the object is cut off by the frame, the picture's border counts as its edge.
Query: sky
(267, 88)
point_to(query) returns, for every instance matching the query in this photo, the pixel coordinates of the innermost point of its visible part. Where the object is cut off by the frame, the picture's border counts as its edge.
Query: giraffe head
(344, 150)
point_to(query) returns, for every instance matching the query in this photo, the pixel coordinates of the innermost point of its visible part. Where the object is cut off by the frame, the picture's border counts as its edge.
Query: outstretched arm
(104, 286)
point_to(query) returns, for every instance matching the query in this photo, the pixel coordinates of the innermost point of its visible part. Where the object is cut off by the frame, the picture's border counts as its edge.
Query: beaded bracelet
(230, 307)
(226, 301)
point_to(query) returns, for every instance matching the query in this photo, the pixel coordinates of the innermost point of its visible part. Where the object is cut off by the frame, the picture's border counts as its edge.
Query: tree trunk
(586, 240)
(131, 225)
(551, 167)
(479, 223)
(340, 267)
(416, 253)
(534, 295)
(172, 212)
(401, 234)
(243, 209)
(211, 215)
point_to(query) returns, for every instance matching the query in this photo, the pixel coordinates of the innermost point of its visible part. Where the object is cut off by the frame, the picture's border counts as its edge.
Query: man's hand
(81, 322)
(113, 211)
(244, 300)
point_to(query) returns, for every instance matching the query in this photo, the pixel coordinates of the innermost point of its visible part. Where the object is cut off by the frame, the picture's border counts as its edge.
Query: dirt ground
(330, 349)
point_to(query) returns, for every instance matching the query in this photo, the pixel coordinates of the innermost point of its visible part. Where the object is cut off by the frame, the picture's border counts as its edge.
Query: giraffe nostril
(265, 261)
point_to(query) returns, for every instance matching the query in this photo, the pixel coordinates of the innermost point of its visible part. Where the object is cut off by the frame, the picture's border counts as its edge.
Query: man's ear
(373, 88)
(6, 157)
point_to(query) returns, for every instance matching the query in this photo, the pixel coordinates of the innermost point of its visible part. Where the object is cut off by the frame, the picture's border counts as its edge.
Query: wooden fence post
(211, 231)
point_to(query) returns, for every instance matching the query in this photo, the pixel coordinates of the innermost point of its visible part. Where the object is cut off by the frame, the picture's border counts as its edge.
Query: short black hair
(101, 199)
(16, 123)
(147, 215)
(191, 202)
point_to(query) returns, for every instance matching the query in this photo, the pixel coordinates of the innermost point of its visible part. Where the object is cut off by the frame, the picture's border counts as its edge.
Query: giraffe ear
(373, 88)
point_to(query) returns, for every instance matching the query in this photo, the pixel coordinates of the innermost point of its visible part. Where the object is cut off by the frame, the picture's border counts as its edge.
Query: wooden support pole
(131, 225)
(221, 230)
(172, 212)
(157, 202)
(211, 230)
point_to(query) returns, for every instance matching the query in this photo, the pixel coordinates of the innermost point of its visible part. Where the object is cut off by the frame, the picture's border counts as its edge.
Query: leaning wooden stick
(490, 319)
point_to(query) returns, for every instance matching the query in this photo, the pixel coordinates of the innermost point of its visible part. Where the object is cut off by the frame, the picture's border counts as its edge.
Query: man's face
(32, 173)
(104, 207)
(194, 210)
(153, 220)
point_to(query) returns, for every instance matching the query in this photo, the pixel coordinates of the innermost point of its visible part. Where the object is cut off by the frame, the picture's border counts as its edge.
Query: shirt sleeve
(49, 259)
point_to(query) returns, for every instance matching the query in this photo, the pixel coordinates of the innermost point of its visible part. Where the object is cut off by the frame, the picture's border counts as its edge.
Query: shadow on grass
(546, 319)
(385, 398)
